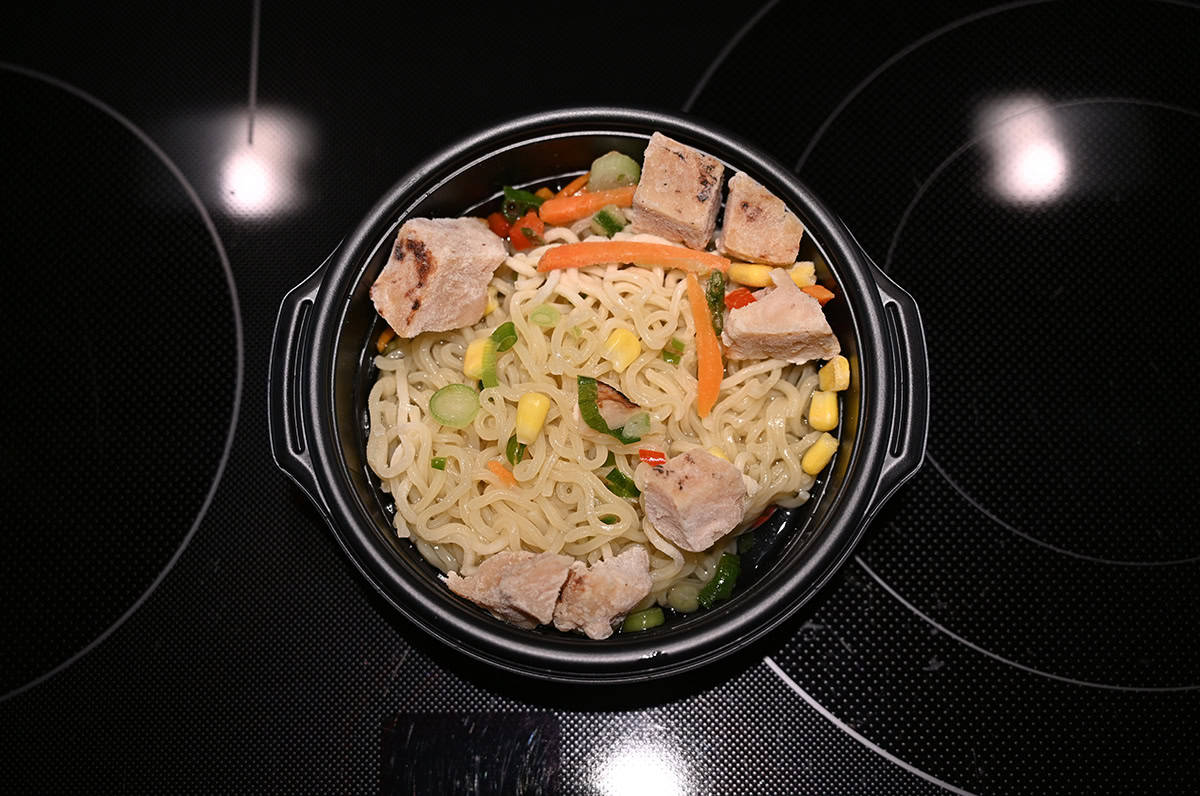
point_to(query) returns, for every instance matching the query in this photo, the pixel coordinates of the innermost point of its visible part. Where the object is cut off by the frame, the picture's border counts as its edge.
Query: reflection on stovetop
(1018, 618)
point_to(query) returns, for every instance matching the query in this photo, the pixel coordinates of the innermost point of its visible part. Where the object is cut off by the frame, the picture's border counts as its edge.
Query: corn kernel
(803, 274)
(835, 374)
(531, 415)
(473, 361)
(720, 454)
(823, 410)
(493, 303)
(751, 274)
(622, 348)
(819, 454)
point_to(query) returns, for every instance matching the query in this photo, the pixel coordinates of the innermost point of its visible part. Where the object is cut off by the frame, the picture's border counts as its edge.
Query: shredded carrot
(709, 368)
(503, 473)
(592, 252)
(544, 193)
(385, 337)
(819, 292)
(565, 209)
(574, 186)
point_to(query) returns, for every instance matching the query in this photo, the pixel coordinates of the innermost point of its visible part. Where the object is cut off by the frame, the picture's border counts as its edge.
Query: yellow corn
(473, 361)
(819, 454)
(531, 415)
(720, 454)
(622, 348)
(493, 304)
(823, 411)
(751, 274)
(803, 274)
(835, 374)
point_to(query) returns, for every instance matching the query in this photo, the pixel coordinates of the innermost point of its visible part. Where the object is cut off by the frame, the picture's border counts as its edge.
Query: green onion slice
(487, 376)
(455, 405)
(545, 315)
(720, 586)
(673, 350)
(590, 411)
(643, 620)
(637, 426)
(514, 451)
(505, 336)
(438, 462)
(620, 484)
(610, 519)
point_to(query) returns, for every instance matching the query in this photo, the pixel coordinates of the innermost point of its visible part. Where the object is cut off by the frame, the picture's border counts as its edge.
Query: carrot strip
(385, 337)
(565, 209)
(574, 186)
(503, 473)
(819, 292)
(709, 369)
(592, 252)
(544, 193)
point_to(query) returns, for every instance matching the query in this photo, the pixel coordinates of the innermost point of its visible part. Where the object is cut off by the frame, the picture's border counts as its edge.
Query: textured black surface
(1019, 619)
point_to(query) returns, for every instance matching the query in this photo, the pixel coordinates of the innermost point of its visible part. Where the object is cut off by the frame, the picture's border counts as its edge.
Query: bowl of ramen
(598, 394)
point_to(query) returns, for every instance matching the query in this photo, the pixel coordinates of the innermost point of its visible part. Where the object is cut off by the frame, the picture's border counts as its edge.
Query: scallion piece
(487, 376)
(545, 315)
(613, 170)
(608, 221)
(610, 519)
(637, 426)
(505, 336)
(620, 484)
(589, 410)
(673, 350)
(438, 462)
(455, 405)
(720, 586)
(715, 293)
(643, 620)
(514, 451)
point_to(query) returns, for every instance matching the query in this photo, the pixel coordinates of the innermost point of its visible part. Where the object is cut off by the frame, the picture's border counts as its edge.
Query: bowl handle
(905, 346)
(287, 419)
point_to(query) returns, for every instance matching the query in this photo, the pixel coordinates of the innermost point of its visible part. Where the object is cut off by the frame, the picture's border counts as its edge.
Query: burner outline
(239, 375)
(724, 52)
(887, 267)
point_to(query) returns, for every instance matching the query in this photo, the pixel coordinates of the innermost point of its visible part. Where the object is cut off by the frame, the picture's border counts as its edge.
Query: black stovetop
(1022, 616)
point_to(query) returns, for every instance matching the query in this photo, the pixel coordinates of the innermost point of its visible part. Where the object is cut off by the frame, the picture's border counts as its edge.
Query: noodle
(455, 517)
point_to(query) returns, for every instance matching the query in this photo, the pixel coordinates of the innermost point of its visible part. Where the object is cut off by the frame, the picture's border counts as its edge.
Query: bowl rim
(625, 659)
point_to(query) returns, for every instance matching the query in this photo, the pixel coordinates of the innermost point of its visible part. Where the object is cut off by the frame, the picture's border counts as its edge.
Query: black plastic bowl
(321, 372)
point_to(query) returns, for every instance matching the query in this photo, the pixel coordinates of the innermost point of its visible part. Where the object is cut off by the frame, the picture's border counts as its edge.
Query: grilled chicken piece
(782, 323)
(678, 194)
(758, 227)
(597, 598)
(437, 277)
(521, 588)
(694, 499)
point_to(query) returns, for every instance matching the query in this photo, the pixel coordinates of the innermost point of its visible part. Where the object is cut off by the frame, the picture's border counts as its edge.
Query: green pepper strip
(643, 620)
(720, 586)
(716, 300)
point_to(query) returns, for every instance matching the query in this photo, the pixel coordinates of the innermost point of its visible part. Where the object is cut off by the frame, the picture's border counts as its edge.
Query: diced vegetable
(598, 252)
(714, 292)
(575, 186)
(819, 292)
(720, 454)
(505, 336)
(589, 410)
(803, 274)
(672, 351)
(498, 224)
(565, 209)
(621, 349)
(823, 410)
(613, 170)
(682, 597)
(751, 274)
(455, 405)
(473, 359)
(637, 426)
(532, 409)
(545, 315)
(384, 338)
(517, 202)
(620, 484)
(514, 451)
(710, 369)
(503, 473)
(526, 232)
(819, 454)
(643, 620)
(835, 374)
(608, 221)
(438, 462)
(487, 365)
(652, 458)
(720, 586)
(738, 298)
(544, 193)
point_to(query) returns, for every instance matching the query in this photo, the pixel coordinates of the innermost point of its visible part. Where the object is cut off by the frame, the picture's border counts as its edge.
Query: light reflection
(1026, 149)
(642, 767)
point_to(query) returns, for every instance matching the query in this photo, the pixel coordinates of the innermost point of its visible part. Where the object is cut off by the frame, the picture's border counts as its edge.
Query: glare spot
(640, 769)
(247, 184)
(1027, 155)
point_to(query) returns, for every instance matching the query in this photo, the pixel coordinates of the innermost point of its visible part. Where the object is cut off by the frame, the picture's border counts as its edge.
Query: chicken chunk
(782, 323)
(437, 277)
(694, 499)
(678, 194)
(598, 597)
(521, 588)
(758, 227)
